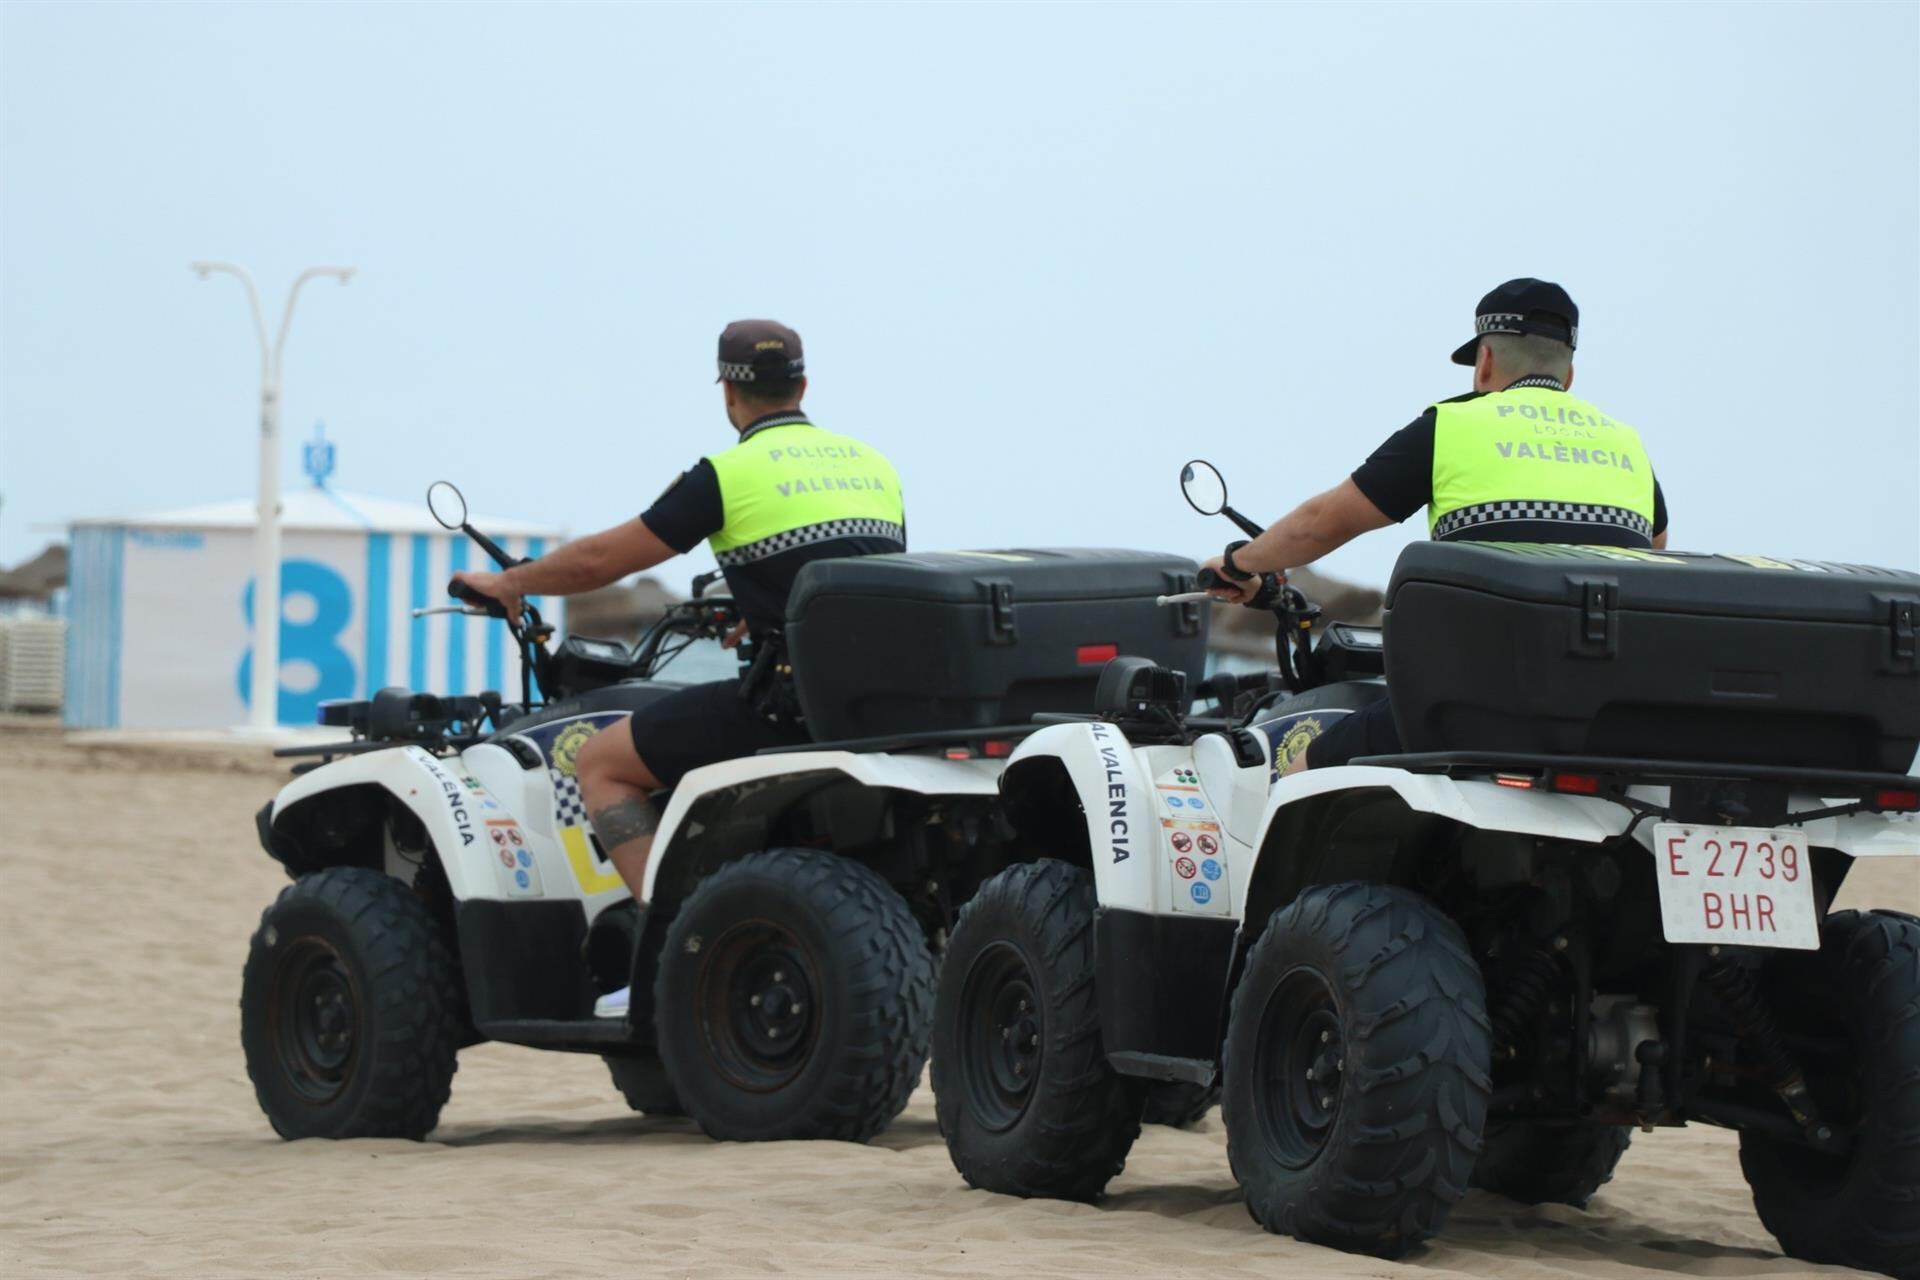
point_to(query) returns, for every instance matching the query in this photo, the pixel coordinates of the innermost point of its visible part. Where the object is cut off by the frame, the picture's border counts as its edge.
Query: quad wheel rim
(1300, 1064)
(1005, 1031)
(758, 999)
(315, 1028)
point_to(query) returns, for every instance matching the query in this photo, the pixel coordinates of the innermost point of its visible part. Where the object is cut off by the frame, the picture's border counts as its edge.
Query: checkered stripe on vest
(810, 534)
(1570, 513)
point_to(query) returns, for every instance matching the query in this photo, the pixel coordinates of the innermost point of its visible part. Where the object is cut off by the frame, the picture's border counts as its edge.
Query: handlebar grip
(467, 595)
(1208, 580)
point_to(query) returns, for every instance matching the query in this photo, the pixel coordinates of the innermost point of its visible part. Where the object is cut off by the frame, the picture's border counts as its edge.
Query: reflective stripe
(1538, 448)
(1487, 513)
(787, 541)
(791, 476)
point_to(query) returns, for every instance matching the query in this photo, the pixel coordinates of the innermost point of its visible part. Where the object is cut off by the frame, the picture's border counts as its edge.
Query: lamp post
(266, 535)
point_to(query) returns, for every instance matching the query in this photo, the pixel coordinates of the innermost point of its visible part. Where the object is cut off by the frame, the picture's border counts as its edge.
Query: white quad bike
(1410, 975)
(448, 890)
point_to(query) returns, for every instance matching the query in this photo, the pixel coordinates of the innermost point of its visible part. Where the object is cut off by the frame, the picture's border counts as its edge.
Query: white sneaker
(613, 1004)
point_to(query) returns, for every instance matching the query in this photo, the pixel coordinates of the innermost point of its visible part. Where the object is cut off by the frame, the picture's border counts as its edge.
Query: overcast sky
(1041, 254)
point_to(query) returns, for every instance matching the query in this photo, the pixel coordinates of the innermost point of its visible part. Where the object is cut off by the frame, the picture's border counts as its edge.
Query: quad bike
(1488, 959)
(449, 890)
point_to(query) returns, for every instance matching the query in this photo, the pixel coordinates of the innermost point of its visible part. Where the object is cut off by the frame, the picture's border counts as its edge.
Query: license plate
(1737, 886)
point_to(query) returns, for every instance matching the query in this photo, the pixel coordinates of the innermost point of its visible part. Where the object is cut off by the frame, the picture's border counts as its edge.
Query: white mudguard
(1864, 835)
(1487, 806)
(1116, 794)
(915, 774)
(462, 816)
(1154, 821)
(1482, 805)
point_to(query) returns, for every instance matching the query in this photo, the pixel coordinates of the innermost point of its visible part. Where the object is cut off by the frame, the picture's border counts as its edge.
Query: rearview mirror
(1205, 488)
(449, 505)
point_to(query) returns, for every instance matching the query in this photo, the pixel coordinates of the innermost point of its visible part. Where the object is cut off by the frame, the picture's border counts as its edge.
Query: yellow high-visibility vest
(791, 484)
(1534, 453)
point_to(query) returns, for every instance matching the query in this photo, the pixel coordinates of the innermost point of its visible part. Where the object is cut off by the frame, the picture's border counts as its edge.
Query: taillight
(1579, 784)
(999, 749)
(1901, 801)
(1095, 655)
(1519, 781)
(959, 753)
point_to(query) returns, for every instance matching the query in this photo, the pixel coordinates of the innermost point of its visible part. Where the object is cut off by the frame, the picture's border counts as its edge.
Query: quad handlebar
(1295, 614)
(703, 617)
(1206, 492)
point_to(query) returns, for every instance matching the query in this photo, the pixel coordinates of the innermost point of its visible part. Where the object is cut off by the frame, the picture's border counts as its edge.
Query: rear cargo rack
(1820, 781)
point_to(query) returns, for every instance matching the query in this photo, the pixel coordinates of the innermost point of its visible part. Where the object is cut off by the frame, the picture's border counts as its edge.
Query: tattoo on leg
(624, 821)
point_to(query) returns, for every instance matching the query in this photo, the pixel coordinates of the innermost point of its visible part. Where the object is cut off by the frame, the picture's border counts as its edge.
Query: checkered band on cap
(741, 371)
(1576, 514)
(884, 530)
(1505, 322)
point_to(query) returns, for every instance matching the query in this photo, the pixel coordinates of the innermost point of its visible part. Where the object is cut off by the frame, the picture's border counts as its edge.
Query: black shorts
(1366, 732)
(703, 724)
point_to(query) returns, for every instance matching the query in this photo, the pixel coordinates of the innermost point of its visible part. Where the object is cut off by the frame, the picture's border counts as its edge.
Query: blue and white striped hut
(160, 610)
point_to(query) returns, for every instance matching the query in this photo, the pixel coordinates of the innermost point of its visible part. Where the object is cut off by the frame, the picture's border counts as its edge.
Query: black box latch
(1905, 614)
(1594, 632)
(1000, 596)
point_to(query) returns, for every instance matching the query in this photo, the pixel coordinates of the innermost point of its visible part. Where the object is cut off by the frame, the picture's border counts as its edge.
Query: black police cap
(1523, 306)
(760, 351)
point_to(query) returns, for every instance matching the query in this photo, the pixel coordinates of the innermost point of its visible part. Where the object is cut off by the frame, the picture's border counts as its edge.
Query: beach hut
(160, 610)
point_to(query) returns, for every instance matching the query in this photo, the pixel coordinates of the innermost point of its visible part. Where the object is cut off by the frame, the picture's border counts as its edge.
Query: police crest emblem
(1298, 736)
(566, 748)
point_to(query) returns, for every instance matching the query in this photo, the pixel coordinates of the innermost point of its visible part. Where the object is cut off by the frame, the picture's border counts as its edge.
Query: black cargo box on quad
(1604, 652)
(944, 640)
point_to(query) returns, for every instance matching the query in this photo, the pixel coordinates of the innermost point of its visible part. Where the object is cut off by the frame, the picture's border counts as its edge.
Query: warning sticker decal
(518, 877)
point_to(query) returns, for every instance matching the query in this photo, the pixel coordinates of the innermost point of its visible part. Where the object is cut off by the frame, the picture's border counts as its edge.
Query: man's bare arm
(573, 567)
(1317, 526)
(590, 562)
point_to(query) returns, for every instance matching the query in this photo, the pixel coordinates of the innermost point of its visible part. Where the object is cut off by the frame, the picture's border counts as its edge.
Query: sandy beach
(130, 1143)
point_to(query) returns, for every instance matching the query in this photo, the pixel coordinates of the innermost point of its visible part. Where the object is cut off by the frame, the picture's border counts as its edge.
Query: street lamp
(266, 536)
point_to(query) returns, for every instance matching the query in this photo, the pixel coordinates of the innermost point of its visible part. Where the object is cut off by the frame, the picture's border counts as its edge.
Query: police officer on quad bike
(786, 494)
(1517, 459)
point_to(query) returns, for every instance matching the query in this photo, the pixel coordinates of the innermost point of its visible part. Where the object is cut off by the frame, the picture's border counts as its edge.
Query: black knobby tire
(1537, 1162)
(1025, 1097)
(794, 995)
(1862, 1210)
(350, 1009)
(642, 1081)
(1371, 988)
(1179, 1105)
